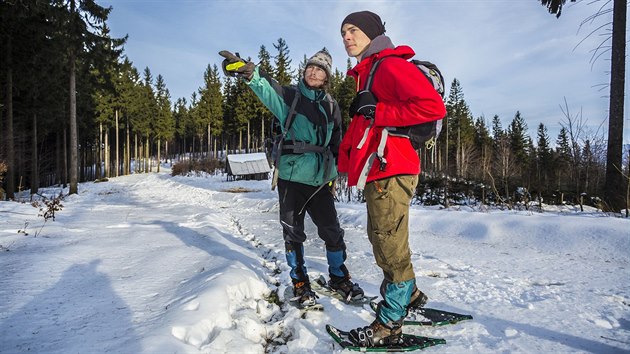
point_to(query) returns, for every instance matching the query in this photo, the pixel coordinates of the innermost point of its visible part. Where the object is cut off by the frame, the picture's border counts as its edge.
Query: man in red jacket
(384, 165)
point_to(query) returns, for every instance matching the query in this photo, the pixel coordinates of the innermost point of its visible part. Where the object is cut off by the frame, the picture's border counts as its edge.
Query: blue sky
(508, 58)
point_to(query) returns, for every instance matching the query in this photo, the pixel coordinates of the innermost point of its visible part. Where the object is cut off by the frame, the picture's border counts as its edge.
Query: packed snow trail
(152, 263)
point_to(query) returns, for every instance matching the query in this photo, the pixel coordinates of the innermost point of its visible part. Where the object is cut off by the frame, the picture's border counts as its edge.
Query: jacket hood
(378, 44)
(380, 47)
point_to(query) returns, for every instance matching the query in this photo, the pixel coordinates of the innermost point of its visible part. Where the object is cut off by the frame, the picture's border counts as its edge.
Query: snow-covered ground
(151, 263)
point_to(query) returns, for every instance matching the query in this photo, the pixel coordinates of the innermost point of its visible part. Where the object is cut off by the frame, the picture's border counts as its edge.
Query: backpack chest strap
(300, 147)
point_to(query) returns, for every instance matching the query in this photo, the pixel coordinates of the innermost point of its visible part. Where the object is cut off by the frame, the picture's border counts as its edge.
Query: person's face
(354, 40)
(314, 76)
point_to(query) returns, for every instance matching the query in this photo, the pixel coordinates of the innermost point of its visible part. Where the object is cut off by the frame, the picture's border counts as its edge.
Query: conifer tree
(518, 138)
(483, 145)
(563, 159)
(163, 125)
(30, 66)
(503, 160)
(104, 99)
(244, 110)
(229, 111)
(210, 106)
(180, 117)
(38, 64)
(131, 92)
(264, 58)
(343, 89)
(301, 67)
(460, 131)
(80, 16)
(544, 161)
(615, 195)
(589, 168)
(10, 14)
(143, 122)
(265, 116)
(497, 129)
(282, 64)
(195, 128)
(107, 91)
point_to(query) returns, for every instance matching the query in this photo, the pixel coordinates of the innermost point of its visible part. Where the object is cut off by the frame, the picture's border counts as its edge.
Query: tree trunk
(628, 188)
(73, 116)
(82, 172)
(182, 149)
(73, 129)
(147, 159)
(447, 122)
(59, 162)
(192, 149)
(262, 133)
(127, 151)
(34, 162)
(248, 147)
(135, 152)
(107, 155)
(117, 146)
(10, 192)
(65, 156)
(158, 154)
(99, 149)
(458, 158)
(614, 193)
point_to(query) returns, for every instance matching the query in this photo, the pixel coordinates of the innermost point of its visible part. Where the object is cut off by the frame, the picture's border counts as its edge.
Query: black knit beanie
(368, 22)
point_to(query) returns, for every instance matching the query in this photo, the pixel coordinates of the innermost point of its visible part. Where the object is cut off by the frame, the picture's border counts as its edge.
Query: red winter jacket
(405, 97)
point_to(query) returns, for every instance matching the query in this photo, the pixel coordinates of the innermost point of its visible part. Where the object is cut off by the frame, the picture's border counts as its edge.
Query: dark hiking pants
(294, 197)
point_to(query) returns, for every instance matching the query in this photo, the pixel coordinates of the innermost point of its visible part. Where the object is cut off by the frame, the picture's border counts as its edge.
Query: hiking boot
(304, 295)
(418, 299)
(377, 334)
(348, 290)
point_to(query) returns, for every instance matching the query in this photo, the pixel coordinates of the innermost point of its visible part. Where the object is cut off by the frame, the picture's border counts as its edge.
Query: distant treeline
(75, 105)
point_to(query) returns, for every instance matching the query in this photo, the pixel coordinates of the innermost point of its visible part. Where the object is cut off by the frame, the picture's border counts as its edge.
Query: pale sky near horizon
(507, 58)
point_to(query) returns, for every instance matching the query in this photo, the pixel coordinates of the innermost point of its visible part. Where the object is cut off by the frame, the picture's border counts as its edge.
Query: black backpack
(422, 135)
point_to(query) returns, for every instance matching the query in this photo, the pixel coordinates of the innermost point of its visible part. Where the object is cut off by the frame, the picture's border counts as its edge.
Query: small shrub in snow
(48, 207)
(185, 167)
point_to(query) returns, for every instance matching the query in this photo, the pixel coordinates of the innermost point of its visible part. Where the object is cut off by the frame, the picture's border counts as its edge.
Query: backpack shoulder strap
(287, 126)
(280, 142)
(331, 103)
(370, 78)
(291, 113)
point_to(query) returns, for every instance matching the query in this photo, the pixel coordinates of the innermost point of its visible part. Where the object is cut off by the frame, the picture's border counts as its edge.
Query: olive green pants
(388, 203)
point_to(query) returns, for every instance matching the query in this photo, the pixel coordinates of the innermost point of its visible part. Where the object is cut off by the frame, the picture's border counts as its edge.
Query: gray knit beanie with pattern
(323, 60)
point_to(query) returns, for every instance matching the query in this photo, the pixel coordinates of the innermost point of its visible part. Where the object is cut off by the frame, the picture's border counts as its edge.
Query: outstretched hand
(235, 66)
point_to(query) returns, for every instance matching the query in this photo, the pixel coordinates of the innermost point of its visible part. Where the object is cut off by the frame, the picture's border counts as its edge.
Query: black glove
(234, 66)
(365, 104)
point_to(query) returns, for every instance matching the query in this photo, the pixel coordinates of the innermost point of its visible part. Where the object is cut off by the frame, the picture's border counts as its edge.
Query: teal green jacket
(317, 122)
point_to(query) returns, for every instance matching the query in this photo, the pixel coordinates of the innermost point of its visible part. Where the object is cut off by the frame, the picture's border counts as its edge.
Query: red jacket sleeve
(405, 96)
(344, 149)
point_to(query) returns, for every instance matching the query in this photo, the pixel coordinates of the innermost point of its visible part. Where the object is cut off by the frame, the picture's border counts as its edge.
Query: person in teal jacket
(306, 166)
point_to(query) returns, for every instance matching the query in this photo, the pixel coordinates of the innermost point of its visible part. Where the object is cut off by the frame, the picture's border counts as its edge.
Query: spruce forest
(75, 109)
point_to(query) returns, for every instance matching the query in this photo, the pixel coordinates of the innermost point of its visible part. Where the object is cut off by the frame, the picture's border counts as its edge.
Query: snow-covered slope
(159, 264)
